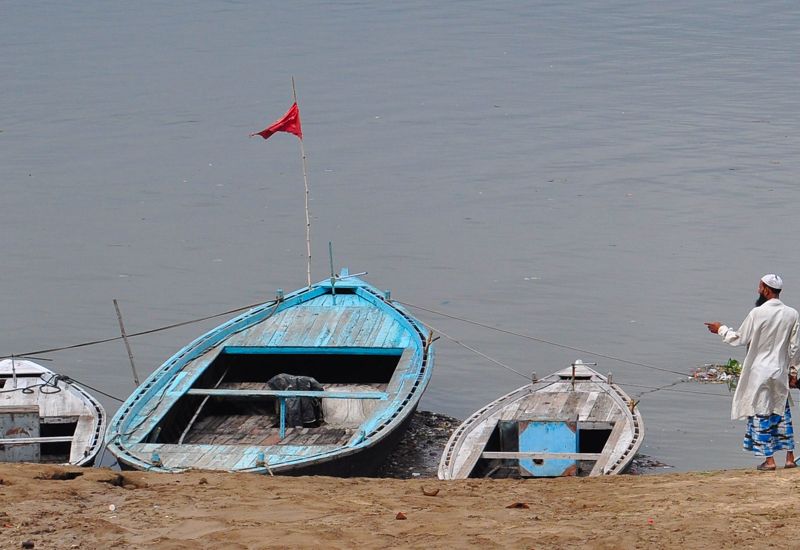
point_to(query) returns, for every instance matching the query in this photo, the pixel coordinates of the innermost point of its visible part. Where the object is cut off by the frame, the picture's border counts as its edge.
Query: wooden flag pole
(127, 345)
(308, 216)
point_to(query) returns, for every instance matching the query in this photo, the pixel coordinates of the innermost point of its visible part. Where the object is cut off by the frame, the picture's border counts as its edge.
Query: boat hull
(213, 405)
(572, 422)
(46, 417)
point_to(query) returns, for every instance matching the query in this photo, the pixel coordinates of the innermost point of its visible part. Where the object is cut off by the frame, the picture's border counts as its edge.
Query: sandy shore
(59, 507)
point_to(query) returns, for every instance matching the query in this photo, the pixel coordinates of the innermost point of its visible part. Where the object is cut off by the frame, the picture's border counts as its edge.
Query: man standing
(770, 332)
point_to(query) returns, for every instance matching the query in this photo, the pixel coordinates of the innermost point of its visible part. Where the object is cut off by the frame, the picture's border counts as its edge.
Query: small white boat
(572, 422)
(46, 417)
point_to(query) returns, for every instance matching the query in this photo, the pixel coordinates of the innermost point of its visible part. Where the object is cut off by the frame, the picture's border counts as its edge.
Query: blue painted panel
(294, 350)
(548, 436)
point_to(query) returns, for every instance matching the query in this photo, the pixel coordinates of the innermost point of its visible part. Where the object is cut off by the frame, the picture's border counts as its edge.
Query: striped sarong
(767, 434)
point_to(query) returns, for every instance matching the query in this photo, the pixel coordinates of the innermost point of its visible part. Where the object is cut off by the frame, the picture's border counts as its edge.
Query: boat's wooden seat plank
(219, 392)
(11, 441)
(491, 455)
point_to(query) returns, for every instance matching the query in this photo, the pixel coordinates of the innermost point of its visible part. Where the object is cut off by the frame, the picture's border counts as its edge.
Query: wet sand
(64, 507)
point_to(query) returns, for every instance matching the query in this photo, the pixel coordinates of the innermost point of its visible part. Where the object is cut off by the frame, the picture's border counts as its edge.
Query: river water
(601, 175)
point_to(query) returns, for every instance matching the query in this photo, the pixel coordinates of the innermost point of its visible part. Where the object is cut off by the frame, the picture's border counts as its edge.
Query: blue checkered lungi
(769, 433)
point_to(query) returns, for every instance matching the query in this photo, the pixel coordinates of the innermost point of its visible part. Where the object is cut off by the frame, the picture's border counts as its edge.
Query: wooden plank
(372, 319)
(388, 326)
(83, 437)
(286, 393)
(371, 327)
(608, 449)
(510, 411)
(548, 404)
(297, 331)
(601, 407)
(615, 413)
(569, 409)
(301, 323)
(19, 409)
(590, 425)
(586, 409)
(539, 455)
(280, 326)
(319, 335)
(343, 336)
(321, 319)
(475, 441)
(397, 337)
(30, 440)
(341, 323)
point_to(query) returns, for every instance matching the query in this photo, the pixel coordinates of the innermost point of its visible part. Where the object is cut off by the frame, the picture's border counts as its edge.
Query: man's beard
(761, 299)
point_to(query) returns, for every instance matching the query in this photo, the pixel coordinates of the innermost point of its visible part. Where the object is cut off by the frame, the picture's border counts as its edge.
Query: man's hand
(713, 327)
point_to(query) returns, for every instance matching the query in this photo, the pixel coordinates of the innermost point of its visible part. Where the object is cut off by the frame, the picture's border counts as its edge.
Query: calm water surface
(605, 176)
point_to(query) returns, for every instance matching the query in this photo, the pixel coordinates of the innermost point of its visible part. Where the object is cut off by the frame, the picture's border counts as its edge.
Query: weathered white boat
(572, 422)
(46, 417)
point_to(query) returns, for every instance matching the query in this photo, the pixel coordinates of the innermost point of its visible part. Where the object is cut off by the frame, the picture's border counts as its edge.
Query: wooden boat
(572, 422)
(213, 405)
(46, 417)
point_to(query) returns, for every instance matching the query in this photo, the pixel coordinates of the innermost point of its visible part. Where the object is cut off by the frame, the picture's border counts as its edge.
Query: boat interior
(28, 420)
(589, 439)
(232, 402)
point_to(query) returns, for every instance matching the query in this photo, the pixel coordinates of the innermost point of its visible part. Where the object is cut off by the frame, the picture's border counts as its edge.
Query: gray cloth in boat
(300, 411)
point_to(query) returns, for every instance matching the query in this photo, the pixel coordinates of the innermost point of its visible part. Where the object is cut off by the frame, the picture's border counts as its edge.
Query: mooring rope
(667, 387)
(51, 382)
(541, 340)
(462, 344)
(651, 389)
(85, 385)
(133, 334)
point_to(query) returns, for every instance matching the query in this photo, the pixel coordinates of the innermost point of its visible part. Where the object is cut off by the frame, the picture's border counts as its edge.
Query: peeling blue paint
(359, 320)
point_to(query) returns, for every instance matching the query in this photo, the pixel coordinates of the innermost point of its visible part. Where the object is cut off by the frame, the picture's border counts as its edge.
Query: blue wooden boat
(214, 404)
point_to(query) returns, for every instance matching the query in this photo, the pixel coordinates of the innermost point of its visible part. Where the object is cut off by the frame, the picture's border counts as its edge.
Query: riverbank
(65, 507)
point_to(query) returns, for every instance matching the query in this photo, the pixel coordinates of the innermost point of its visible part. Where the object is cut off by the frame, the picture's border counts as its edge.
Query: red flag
(290, 122)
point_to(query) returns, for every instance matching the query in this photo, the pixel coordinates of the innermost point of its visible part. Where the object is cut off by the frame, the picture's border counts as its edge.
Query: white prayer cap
(772, 281)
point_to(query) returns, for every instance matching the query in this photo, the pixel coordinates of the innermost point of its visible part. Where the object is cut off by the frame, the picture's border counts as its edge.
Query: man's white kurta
(771, 333)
